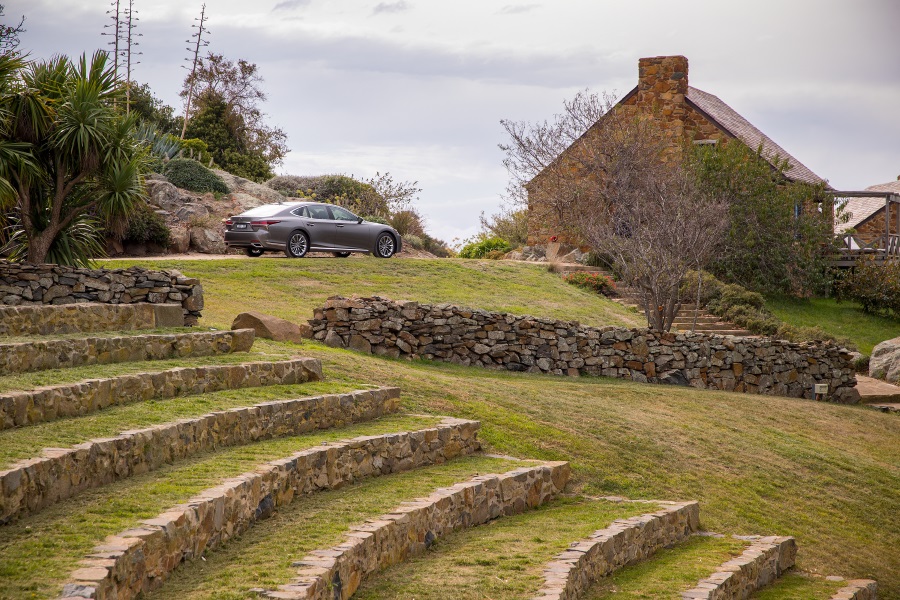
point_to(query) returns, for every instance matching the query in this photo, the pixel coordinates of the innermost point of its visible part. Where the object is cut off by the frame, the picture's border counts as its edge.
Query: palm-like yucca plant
(69, 161)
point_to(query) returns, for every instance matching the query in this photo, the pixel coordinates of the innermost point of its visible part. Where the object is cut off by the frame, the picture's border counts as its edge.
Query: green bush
(495, 255)
(710, 288)
(144, 226)
(437, 247)
(875, 286)
(376, 219)
(407, 222)
(295, 186)
(197, 149)
(480, 248)
(413, 241)
(595, 282)
(191, 175)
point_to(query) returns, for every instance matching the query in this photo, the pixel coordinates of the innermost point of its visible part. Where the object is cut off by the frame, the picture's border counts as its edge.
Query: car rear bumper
(251, 239)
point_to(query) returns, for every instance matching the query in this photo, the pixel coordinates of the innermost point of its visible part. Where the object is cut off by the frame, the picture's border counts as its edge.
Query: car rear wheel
(297, 245)
(254, 252)
(341, 254)
(385, 246)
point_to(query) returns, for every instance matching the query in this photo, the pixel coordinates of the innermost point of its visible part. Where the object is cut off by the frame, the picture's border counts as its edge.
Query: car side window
(318, 212)
(300, 212)
(341, 214)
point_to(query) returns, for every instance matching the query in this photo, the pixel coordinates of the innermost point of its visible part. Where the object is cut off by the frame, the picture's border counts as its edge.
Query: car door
(319, 225)
(349, 233)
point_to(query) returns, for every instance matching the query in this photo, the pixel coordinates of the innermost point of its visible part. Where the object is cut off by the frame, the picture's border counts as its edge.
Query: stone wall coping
(625, 541)
(46, 403)
(765, 560)
(414, 526)
(475, 337)
(59, 473)
(38, 355)
(86, 317)
(139, 560)
(858, 589)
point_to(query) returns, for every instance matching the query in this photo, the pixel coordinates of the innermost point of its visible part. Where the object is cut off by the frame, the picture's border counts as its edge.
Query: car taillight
(228, 222)
(263, 224)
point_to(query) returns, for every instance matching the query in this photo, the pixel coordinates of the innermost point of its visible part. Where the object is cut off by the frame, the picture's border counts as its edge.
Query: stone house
(866, 215)
(688, 115)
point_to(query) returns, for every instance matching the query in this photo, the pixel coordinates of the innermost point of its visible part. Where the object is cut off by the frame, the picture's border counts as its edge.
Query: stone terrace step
(87, 318)
(139, 560)
(40, 355)
(760, 564)
(34, 484)
(414, 526)
(69, 400)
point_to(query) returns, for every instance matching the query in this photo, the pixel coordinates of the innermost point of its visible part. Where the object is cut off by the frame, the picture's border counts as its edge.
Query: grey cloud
(391, 7)
(290, 5)
(517, 9)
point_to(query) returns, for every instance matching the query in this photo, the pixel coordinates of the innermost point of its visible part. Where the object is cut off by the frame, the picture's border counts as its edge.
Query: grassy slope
(842, 320)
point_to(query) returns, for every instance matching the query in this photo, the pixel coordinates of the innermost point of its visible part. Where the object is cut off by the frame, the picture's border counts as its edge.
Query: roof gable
(861, 210)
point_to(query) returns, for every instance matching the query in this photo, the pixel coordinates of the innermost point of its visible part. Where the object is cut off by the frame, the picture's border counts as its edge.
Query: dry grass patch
(801, 586)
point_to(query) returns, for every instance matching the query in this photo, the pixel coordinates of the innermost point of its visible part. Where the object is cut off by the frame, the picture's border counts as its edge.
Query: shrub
(295, 186)
(376, 219)
(413, 241)
(595, 282)
(875, 286)
(479, 248)
(495, 255)
(710, 288)
(437, 247)
(144, 225)
(189, 174)
(197, 149)
(407, 222)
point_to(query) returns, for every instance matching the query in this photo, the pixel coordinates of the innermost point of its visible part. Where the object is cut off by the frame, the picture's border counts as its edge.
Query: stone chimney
(663, 79)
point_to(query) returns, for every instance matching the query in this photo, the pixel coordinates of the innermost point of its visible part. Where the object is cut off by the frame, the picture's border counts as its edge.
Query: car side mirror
(359, 219)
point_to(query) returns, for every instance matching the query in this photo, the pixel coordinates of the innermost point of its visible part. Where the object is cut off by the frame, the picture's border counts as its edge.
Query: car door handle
(310, 224)
(340, 225)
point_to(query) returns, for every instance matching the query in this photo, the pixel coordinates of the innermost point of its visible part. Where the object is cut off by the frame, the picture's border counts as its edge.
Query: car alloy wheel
(384, 247)
(297, 246)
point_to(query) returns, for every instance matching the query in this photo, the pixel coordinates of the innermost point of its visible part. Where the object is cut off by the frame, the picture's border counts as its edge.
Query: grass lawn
(798, 586)
(501, 560)
(291, 289)
(842, 320)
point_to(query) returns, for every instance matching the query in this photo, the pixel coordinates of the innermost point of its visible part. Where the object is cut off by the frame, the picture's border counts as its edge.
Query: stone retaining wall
(30, 485)
(22, 283)
(76, 399)
(625, 542)
(414, 526)
(760, 564)
(521, 343)
(88, 317)
(139, 560)
(858, 589)
(44, 354)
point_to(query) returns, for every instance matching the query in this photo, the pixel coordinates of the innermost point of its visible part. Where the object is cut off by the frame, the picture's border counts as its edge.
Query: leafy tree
(9, 35)
(226, 115)
(510, 224)
(68, 159)
(151, 109)
(779, 232)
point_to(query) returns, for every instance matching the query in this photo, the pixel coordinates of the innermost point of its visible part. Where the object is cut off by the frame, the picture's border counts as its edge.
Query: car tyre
(341, 254)
(254, 252)
(385, 246)
(297, 245)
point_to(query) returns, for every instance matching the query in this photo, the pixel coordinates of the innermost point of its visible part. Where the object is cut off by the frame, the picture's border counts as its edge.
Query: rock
(245, 186)
(845, 395)
(269, 327)
(242, 201)
(333, 340)
(180, 238)
(885, 361)
(192, 211)
(207, 241)
(360, 344)
(163, 194)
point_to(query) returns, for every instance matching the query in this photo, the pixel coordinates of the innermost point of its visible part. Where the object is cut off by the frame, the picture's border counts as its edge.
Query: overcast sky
(418, 87)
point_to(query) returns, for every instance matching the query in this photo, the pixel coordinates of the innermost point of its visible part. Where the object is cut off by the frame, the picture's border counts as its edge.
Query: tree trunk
(39, 247)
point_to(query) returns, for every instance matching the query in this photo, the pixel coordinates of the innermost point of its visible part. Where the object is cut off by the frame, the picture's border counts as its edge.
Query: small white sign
(821, 388)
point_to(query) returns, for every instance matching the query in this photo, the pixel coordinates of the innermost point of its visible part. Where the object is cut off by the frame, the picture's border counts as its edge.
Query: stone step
(31, 485)
(88, 317)
(139, 560)
(23, 408)
(411, 528)
(39, 355)
(760, 565)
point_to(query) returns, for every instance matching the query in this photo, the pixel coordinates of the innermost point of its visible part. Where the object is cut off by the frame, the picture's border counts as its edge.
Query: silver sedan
(296, 228)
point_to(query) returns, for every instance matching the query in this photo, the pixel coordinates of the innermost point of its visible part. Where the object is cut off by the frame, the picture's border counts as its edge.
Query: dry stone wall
(858, 589)
(33, 484)
(24, 284)
(521, 343)
(49, 319)
(414, 526)
(70, 400)
(44, 354)
(760, 564)
(139, 560)
(625, 542)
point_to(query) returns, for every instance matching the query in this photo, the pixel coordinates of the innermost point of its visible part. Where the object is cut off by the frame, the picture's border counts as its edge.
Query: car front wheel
(341, 254)
(385, 246)
(297, 245)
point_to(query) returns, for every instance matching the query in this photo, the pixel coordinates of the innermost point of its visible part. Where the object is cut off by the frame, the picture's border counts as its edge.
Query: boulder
(180, 239)
(207, 241)
(163, 194)
(271, 328)
(885, 361)
(192, 211)
(241, 201)
(245, 186)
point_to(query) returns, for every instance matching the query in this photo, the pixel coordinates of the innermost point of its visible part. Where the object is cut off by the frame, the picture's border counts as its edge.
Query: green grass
(38, 553)
(262, 556)
(668, 572)
(291, 289)
(799, 586)
(502, 560)
(842, 320)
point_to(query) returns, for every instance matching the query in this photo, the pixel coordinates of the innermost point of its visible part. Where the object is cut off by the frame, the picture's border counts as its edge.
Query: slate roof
(863, 209)
(729, 120)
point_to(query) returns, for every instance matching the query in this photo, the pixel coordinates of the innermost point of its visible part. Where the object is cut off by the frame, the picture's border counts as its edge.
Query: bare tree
(9, 35)
(618, 183)
(199, 42)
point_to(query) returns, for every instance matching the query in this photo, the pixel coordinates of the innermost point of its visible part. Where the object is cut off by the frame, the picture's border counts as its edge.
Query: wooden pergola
(883, 248)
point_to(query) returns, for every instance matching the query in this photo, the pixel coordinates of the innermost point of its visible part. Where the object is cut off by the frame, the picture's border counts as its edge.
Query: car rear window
(318, 212)
(266, 210)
